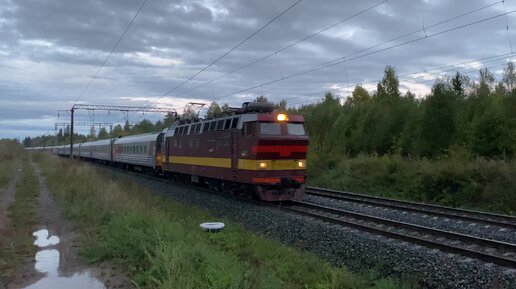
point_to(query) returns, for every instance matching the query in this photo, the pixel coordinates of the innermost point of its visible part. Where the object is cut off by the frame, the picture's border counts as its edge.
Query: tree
(103, 133)
(388, 87)
(117, 131)
(459, 83)
(486, 82)
(127, 127)
(214, 110)
(27, 142)
(438, 123)
(509, 77)
(281, 106)
(169, 119)
(359, 95)
(261, 98)
(226, 109)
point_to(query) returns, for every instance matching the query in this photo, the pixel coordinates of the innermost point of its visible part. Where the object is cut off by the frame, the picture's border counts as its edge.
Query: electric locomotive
(252, 151)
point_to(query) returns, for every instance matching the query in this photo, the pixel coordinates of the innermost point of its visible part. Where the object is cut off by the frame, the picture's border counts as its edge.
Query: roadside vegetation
(16, 242)
(160, 245)
(456, 146)
(10, 151)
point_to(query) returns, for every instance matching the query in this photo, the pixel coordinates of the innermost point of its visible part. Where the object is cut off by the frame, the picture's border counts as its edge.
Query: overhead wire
(112, 50)
(284, 48)
(347, 59)
(232, 49)
(359, 51)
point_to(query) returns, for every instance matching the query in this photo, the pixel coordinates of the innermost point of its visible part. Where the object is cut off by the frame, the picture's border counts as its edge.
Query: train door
(234, 154)
(158, 152)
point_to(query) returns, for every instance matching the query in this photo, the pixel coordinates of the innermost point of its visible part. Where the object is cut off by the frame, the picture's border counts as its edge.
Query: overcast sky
(50, 49)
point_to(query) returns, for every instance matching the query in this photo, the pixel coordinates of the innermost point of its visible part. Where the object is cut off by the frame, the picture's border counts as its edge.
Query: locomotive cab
(273, 154)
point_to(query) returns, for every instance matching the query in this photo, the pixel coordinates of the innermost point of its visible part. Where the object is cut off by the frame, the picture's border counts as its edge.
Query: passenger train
(253, 151)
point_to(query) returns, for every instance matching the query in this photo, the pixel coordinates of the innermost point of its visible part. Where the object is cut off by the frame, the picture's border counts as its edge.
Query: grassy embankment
(16, 243)
(159, 243)
(9, 156)
(475, 184)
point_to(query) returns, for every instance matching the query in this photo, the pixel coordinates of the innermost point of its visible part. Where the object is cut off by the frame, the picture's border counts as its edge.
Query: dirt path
(57, 264)
(6, 201)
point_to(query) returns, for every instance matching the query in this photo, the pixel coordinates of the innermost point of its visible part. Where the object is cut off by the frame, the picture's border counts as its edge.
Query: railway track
(497, 252)
(428, 209)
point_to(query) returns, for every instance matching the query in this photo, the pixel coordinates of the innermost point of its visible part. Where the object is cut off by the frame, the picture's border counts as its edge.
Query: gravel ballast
(341, 246)
(450, 224)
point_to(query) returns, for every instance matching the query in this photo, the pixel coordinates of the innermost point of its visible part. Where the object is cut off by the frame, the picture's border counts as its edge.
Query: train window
(220, 124)
(250, 128)
(198, 128)
(227, 124)
(295, 129)
(212, 125)
(270, 128)
(186, 129)
(181, 130)
(176, 131)
(206, 126)
(234, 123)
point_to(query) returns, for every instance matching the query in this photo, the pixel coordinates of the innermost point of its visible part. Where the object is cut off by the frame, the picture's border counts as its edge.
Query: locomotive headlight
(301, 164)
(282, 117)
(262, 165)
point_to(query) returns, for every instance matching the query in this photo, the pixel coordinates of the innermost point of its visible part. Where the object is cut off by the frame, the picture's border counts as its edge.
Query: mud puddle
(47, 262)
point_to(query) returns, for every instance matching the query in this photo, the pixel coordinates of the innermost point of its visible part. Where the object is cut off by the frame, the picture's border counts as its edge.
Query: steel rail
(448, 212)
(305, 209)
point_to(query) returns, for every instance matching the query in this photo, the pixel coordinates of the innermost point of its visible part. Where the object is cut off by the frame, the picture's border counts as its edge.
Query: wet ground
(47, 262)
(57, 264)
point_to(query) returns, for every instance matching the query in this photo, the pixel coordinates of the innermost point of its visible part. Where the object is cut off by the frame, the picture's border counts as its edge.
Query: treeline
(144, 126)
(63, 135)
(456, 146)
(459, 118)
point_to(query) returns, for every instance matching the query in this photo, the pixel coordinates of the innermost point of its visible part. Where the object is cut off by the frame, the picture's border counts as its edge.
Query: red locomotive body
(260, 153)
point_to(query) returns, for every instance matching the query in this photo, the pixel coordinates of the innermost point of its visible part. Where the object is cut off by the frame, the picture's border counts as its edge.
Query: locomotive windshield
(270, 128)
(295, 129)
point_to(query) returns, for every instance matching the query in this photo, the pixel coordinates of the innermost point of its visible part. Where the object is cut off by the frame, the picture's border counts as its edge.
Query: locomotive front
(272, 155)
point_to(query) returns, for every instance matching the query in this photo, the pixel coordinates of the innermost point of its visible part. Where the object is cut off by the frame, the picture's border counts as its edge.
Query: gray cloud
(50, 49)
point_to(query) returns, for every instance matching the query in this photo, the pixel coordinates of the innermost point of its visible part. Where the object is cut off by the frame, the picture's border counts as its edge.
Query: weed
(152, 237)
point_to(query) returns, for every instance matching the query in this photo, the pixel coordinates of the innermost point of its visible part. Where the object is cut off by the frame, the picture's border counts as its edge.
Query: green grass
(475, 184)
(17, 242)
(10, 153)
(160, 245)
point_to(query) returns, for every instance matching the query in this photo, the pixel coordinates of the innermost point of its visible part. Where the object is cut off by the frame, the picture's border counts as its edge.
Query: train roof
(102, 142)
(147, 137)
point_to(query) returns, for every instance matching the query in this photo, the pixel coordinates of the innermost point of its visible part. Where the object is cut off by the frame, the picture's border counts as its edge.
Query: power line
(346, 59)
(112, 50)
(354, 53)
(285, 48)
(232, 49)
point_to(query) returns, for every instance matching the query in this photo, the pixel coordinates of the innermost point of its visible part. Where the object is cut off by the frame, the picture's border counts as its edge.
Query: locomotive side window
(198, 128)
(227, 124)
(176, 131)
(270, 128)
(206, 126)
(212, 125)
(250, 128)
(220, 124)
(234, 122)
